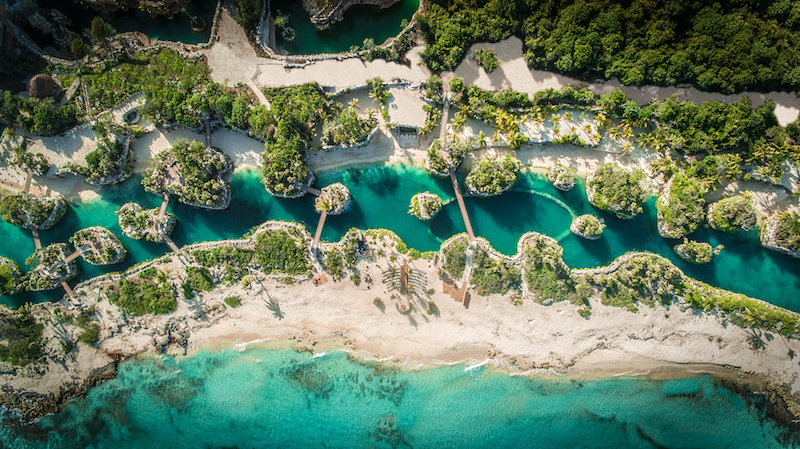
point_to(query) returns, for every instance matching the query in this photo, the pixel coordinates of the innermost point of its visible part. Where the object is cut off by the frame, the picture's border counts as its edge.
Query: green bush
(487, 59)
(143, 297)
(233, 301)
(21, 337)
(197, 280)
(682, 211)
(281, 252)
(455, 257)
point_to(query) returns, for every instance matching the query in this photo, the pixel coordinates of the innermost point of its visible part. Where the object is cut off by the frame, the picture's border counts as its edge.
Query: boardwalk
(320, 225)
(36, 240)
(76, 254)
(163, 209)
(28, 178)
(461, 205)
(66, 287)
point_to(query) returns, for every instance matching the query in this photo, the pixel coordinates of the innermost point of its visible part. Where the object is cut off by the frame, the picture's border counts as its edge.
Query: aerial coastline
(370, 294)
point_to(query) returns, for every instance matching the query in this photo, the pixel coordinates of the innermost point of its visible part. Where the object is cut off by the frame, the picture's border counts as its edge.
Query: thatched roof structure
(41, 86)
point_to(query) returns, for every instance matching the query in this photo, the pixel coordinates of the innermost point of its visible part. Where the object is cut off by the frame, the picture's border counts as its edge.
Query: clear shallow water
(282, 399)
(381, 195)
(360, 22)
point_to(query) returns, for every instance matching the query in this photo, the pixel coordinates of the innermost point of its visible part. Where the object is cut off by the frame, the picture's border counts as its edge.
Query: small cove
(360, 22)
(381, 196)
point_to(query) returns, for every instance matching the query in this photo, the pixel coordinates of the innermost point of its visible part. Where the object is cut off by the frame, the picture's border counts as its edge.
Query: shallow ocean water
(381, 195)
(283, 399)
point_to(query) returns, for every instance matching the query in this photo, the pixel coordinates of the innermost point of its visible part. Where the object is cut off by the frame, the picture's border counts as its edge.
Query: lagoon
(360, 22)
(381, 195)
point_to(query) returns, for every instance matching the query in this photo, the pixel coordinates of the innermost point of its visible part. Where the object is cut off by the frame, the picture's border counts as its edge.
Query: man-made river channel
(381, 195)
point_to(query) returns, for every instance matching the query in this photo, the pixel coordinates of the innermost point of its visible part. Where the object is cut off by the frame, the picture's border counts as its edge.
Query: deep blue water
(282, 399)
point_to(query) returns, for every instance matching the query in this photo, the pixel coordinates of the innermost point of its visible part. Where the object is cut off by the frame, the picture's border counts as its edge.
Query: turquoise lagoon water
(360, 22)
(381, 196)
(282, 399)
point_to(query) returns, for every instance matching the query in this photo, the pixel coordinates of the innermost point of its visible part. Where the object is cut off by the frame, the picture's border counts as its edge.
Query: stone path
(260, 95)
(232, 59)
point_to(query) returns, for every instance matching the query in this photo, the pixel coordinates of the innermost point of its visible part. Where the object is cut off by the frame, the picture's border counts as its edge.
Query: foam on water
(283, 399)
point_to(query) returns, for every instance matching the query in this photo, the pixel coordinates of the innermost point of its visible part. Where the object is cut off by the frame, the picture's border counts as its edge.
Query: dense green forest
(727, 46)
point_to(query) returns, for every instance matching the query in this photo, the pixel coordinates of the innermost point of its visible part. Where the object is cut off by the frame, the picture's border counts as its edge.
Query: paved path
(232, 59)
(28, 178)
(260, 95)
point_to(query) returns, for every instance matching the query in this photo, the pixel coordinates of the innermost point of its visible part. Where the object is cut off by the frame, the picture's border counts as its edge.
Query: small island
(616, 190)
(140, 224)
(492, 176)
(733, 214)
(48, 267)
(680, 207)
(587, 226)
(100, 246)
(425, 205)
(446, 155)
(782, 233)
(193, 173)
(32, 212)
(334, 199)
(11, 277)
(561, 177)
(695, 252)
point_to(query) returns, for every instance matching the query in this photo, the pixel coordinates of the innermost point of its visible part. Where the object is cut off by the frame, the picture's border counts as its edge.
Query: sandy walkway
(232, 59)
(340, 74)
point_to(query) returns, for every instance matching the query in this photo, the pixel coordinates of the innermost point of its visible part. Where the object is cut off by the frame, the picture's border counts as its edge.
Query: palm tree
(353, 104)
(481, 139)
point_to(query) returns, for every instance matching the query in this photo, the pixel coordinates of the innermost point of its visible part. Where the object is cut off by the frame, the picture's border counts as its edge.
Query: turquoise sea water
(360, 22)
(381, 195)
(282, 399)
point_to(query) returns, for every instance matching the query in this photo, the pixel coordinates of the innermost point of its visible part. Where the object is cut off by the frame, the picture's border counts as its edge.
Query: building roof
(41, 86)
